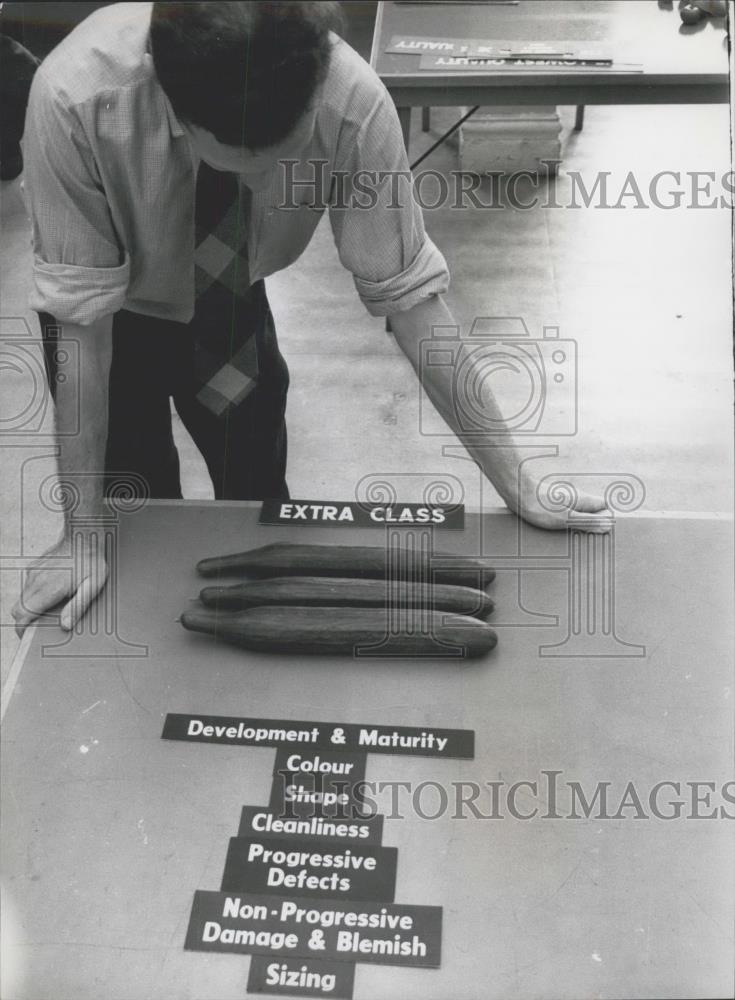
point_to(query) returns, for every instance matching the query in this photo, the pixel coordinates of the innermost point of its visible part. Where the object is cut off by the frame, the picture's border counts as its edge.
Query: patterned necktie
(226, 357)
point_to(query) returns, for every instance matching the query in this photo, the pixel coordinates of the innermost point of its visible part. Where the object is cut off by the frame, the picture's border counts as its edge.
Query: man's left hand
(535, 506)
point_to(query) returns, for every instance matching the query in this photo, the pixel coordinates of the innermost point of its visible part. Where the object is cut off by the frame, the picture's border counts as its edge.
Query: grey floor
(644, 292)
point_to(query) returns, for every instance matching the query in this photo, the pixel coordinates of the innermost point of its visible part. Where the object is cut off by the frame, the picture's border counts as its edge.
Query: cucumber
(306, 591)
(363, 561)
(342, 631)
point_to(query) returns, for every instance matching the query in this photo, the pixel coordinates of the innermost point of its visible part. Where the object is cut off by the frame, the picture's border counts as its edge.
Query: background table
(680, 64)
(108, 830)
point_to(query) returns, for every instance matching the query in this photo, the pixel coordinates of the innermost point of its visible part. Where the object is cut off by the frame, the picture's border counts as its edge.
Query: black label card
(379, 933)
(310, 868)
(300, 977)
(342, 736)
(318, 783)
(261, 822)
(411, 44)
(348, 514)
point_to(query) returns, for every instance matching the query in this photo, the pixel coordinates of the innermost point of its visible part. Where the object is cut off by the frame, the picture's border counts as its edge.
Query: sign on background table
(656, 59)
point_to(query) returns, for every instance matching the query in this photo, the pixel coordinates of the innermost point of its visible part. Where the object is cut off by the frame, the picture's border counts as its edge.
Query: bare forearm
(500, 462)
(82, 413)
(494, 450)
(81, 422)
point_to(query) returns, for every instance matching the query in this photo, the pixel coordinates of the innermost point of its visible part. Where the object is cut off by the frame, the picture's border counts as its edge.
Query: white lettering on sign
(315, 512)
(511, 62)
(316, 765)
(300, 913)
(303, 880)
(234, 907)
(295, 793)
(422, 515)
(353, 942)
(278, 974)
(257, 734)
(423, 44)
(265, 822)
(313, 859)
(291, 868)
(424, 741)
(276, 940)
(335, 513)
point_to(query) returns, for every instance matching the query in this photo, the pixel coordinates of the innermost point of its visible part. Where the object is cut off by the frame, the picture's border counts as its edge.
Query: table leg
(579, 118)
(404, 117)
(425, 119)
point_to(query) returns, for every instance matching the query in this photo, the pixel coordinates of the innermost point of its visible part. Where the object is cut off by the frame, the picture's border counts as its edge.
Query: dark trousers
(154, 360)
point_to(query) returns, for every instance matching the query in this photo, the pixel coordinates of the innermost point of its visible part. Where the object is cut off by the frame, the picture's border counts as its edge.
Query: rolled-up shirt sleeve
(80, 271)
(378, 226)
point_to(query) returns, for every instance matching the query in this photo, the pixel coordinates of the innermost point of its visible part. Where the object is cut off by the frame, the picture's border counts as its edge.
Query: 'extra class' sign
(336, 513)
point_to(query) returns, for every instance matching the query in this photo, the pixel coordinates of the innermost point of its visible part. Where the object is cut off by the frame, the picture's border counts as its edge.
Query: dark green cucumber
(340, 592)
(343, 631)
(362, 561)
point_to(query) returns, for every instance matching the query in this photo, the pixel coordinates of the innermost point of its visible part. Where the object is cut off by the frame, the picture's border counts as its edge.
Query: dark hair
(246, 72)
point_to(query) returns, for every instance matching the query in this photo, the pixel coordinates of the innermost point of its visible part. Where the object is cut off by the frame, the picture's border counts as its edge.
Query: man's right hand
(73, 571)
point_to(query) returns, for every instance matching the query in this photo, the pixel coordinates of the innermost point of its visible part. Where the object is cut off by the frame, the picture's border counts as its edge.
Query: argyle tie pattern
(226, 357)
